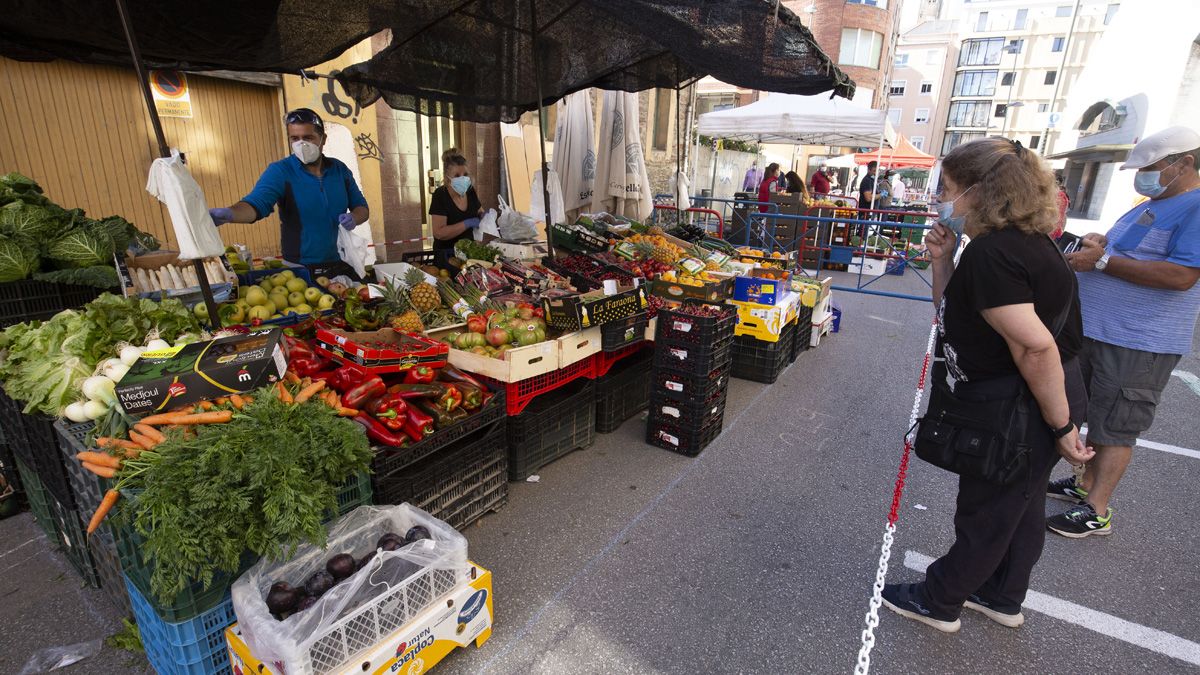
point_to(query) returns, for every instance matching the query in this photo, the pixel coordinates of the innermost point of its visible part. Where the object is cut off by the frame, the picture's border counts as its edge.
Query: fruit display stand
(519, 363)
(415, 647)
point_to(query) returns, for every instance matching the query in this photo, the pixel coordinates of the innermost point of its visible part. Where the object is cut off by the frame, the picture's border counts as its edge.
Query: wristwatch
(1059, 433)
(1102, 263)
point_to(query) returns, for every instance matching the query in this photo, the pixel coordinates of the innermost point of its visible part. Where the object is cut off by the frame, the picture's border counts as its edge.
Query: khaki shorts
(1124, 386)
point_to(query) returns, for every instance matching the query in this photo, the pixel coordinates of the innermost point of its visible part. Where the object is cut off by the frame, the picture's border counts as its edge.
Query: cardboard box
(761, 286)
(766, 322)
(872, 267)
(711, 291)
(398, 351)
(166, 378)
(576, 312)
(811, 290)
(527, 251)
(456, 620)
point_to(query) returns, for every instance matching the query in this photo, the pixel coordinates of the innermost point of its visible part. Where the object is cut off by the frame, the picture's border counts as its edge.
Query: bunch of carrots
(146, 434)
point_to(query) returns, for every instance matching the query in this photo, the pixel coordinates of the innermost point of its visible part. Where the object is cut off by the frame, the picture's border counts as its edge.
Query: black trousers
(1000, 529)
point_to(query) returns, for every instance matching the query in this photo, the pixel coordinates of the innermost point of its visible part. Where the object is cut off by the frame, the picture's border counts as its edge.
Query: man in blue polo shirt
(315, 194)
(1140, 298)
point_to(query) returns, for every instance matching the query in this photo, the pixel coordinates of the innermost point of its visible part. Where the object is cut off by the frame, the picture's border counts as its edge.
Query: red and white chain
(885, 552)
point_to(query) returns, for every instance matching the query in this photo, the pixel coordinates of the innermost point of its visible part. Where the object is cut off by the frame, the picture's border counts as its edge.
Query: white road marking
(880, 318)
(1191, 380)
(1106, 624)
(1161, 447)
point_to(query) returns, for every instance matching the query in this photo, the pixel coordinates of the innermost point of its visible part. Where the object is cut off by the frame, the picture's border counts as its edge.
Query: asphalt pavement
(758, 555)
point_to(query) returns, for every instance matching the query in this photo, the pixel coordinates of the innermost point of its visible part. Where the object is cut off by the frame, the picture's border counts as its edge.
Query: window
(926, 87)
(1022, 17)
(1051, 76)
(981, 22)
(1001, 109)
(1033, 142)
(921, 116)
(1110, 13)
(918, 142)
(1006, 80)
(976, 83)
(1043, 107)
(1064, 10)
(981, 52)
(860, 48)
(895, 115)
(662, 118)
(901, 60)
(933, 57)
(969, 114)
(954, 139)
(897, 88)
(1058, 44)
(881, 4)
(1017, 45)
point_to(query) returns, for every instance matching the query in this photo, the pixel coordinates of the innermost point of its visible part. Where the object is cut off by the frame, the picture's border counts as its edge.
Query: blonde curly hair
(1013, 186)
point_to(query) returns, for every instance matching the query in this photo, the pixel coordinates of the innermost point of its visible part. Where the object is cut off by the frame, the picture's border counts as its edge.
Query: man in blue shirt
(315, 194)
(1140, 298)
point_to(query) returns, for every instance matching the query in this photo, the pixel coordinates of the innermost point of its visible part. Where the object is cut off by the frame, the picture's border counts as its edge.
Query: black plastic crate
(684, 328)
(38, 499)
(617, 335)
(71, 527)
(108, 570)
(418, 258)
(8, 468)
(760, 361)
(803, 338)
(87, 487)
(689, 411)
(691, 386)
(623, 392)
(690, 358)
(29, 299)
(35, 442)
(458, 485)
(390, 460)
(671, 434)
(553, 425)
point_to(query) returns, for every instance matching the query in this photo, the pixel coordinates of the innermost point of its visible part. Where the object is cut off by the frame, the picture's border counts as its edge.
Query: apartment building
(922, 76)
(857, 34)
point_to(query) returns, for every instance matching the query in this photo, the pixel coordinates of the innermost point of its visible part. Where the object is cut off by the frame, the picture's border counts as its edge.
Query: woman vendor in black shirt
(454, 209)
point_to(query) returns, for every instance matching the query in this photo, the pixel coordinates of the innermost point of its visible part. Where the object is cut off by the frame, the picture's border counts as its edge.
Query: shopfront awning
(1095, 153)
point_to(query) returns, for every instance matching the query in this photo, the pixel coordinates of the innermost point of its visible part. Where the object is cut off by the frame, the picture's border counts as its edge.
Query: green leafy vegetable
(98, 276)
(263, 483)
(18, 259)
(28, 220)
(81, 247)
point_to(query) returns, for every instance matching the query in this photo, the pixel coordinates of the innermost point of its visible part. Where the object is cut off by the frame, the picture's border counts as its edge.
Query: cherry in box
(382, 351)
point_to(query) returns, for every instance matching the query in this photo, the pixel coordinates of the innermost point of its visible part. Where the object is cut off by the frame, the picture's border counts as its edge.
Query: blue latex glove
(221, 216)
(470, 224)
(346, 220)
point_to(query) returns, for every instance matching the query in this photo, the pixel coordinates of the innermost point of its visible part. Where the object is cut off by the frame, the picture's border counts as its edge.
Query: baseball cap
(305, 116)
(1169, 141)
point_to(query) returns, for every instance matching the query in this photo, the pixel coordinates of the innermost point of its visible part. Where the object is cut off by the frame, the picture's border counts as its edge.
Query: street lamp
(1007, 108)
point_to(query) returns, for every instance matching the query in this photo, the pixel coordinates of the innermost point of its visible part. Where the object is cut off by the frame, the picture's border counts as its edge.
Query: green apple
(303, 308)
(322, 281)
(295, 298)
(242, 292)
(256, 296)
(293, 285)
(289, 275)
(266, 285)
(278, 279)
(279, 297)
(312, 295)
(201, 311)
(241, 302)
(326, 301)
(260, 312)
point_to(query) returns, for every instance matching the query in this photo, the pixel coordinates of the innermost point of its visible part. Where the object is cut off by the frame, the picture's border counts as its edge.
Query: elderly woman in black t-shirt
(454, 209)
(1007, 313)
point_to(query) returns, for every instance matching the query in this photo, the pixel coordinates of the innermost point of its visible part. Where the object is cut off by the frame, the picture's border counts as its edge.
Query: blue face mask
(1147, 183)
(945, 211)
(461, 184)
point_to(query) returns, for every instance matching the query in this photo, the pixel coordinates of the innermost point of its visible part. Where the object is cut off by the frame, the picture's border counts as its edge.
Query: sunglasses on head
(304, 116)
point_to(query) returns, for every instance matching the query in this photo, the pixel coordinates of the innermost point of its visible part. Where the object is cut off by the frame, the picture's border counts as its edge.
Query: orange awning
(904, 154)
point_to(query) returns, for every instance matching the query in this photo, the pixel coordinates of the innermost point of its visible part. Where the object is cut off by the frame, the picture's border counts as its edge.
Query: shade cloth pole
(537, 81)
(163, 149)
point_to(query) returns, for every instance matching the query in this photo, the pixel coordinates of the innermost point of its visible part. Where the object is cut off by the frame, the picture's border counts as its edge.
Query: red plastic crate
(606, 360)
(518, 394)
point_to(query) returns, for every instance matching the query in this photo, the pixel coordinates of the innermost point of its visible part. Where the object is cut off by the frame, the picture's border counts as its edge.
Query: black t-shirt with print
(999, 268)
(442, 204)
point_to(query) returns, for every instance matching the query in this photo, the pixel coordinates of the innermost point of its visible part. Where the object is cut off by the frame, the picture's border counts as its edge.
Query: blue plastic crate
(193, 647)
(253, 276)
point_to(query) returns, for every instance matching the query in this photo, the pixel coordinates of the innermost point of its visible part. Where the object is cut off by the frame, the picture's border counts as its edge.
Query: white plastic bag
(380, 597)
(679, 187)
(514, 225)
(487, 225)
(353, 250)
(172, 183)
(558, 213)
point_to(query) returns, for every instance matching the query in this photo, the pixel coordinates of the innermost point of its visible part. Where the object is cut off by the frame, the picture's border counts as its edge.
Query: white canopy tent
(806, 120)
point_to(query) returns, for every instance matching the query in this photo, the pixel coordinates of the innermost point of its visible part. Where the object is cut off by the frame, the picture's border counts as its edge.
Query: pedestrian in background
(795, 184)
(1008, 330)
(769, 184)
(820, 181)
(1140, 300)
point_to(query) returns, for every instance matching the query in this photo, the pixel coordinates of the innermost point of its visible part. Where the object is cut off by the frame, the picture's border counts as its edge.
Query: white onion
(116, 371)
(99, 388)
(158, 343)
(129, 354)
(75, 412)
(94, 410)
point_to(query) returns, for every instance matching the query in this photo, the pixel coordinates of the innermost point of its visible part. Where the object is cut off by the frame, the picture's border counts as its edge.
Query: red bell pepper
(365, 392)
(419, 375)
(392, 411)
(303, 365)
(417, 424)
(472, 396)
(380, 434)
(450, 397)
(452, 374)
(346, 378)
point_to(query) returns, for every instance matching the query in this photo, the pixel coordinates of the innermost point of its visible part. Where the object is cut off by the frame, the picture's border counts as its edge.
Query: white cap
(1169, 141)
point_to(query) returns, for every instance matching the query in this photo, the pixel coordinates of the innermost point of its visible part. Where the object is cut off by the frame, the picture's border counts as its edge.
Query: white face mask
(306, 152)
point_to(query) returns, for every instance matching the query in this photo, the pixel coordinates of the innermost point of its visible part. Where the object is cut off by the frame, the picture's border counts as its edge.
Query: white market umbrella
(622, 186)
(574, 154)
(786, 118)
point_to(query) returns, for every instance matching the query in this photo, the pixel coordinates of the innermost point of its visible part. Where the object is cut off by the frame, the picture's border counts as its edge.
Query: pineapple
(422, 294)
(396, 299)
(409, 322)
(656, 231)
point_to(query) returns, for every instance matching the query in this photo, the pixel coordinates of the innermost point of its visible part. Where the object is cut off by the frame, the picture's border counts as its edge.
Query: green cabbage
(26, 220)
(81, 248)
(18, 259)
